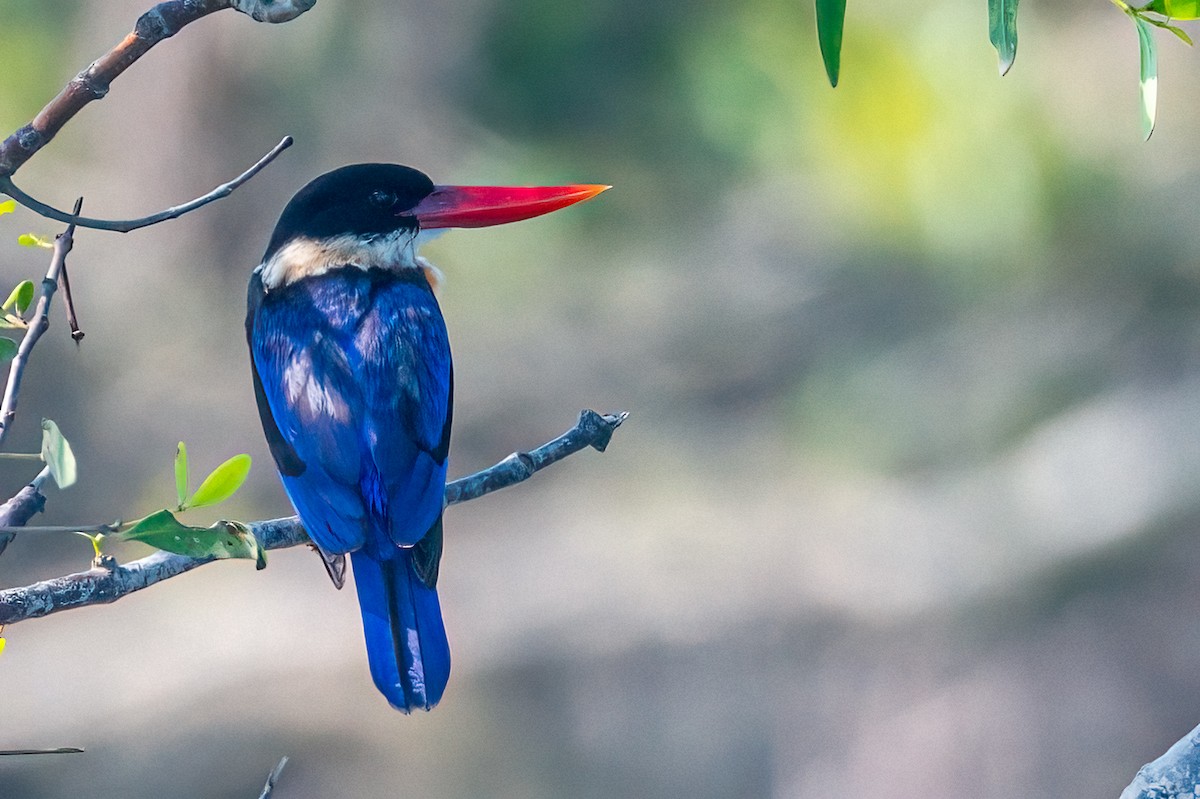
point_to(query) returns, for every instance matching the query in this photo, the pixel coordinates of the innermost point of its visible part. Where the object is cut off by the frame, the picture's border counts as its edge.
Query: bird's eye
(382, 199)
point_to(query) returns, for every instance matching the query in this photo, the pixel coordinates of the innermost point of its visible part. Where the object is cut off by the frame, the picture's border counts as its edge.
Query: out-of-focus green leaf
(831, 18)
(181, 474)
(21, 297)
(222, 483)
(1180, 32)
(1002, 30)
(1176, 9)
(56, 452)
(1149, 74)
(7, 207)
(8, 349)
(34, 240)
(222, 540)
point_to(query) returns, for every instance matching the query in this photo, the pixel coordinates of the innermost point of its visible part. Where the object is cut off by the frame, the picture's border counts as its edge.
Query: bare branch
(37, 326)
(108, 581)
(273, 778)
(273, 10)
(126, 225)
(592, 430)
(17, 512)
(160, 22)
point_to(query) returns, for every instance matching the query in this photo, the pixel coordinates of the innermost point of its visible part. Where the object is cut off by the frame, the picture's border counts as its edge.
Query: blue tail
(406, 640)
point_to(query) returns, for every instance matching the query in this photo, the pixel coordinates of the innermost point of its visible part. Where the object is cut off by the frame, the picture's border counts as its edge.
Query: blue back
(354, 366)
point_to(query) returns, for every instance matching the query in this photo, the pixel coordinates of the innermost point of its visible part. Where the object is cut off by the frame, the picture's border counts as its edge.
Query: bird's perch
(109, 582)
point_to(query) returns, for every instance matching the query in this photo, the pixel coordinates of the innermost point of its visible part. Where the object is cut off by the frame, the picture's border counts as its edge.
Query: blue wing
(353, 374)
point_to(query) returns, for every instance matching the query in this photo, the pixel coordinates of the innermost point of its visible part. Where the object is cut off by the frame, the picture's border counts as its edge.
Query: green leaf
(1176, 9)
(56, 452)
(1180, 32)
(831, 18)
(8, 349)
(181, 474)
(34, 240)
(222, 483)
(21, 296)
(222, 540)
(1002, 30)
(7, 207)
(1149, 75)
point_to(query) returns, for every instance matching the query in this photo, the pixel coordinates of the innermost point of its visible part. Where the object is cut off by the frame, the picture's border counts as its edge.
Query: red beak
(480, 206)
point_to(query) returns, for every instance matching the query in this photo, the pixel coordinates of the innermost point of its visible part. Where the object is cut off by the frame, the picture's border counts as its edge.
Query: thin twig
(64, 285)
(62, 750)
(592, 430)
(37, 326)
(273, 778)
(126, 225)
(110, 582)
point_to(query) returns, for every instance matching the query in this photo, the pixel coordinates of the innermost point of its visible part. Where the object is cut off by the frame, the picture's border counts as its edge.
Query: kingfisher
(355, 388)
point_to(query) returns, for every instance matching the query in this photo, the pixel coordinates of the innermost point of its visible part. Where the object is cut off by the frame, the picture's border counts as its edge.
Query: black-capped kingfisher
(355, 388)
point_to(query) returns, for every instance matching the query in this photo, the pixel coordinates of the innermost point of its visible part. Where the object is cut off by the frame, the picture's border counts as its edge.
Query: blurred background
(908, 504)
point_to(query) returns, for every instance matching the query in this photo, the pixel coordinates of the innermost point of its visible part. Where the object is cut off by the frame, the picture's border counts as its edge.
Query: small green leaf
(831, 19)
(1176, 9)
(7, 207)
(222, 483)
(21, 297)
(1180, 32)
(1149, 75)
(222, 540)
(56, 452)
(8, 349)
(1002, 30)
(34, 240)
(181, 474)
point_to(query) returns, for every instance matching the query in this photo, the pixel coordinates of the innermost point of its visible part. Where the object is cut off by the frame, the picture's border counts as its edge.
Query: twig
(110, 582)
(22, 507)
(592, 430)
(160, 22)
(64, 285)
(37, 326)
(273, 778)
(1175, 773)
(126, 225)
(62, 750)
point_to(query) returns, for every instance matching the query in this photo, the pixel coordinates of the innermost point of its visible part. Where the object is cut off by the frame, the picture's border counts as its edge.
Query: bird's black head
(359, 200)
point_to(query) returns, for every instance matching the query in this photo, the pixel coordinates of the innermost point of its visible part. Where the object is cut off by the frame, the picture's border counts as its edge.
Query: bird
(354, 382)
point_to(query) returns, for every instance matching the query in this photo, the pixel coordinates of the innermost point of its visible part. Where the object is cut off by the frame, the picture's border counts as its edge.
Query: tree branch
(160, 22)
(1175, 773)
(109, 581)
(17, 512)
(273, 778)
(37, 326)
(126, 225)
